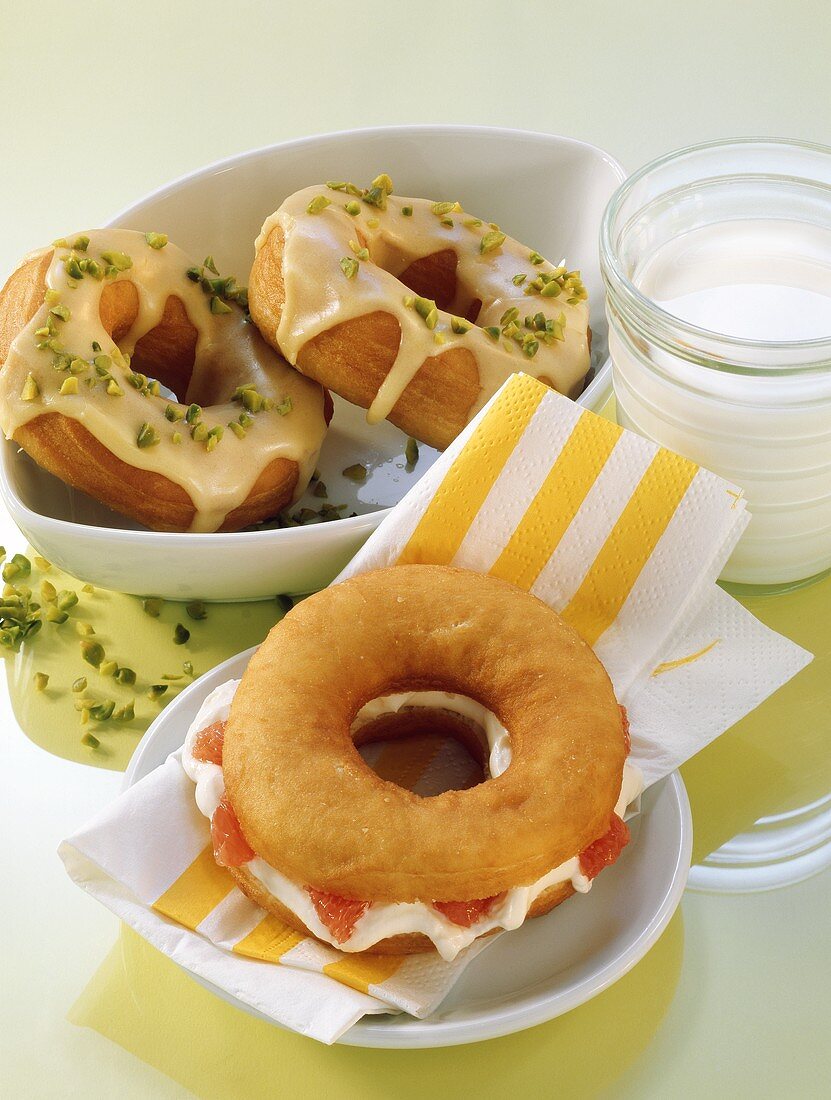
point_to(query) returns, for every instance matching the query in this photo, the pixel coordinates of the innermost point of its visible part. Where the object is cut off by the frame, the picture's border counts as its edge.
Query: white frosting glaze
(389, 919)
(229, 353)
(318, 295)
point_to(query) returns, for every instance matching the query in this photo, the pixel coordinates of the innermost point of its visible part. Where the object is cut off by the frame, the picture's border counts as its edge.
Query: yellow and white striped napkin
(623, 538)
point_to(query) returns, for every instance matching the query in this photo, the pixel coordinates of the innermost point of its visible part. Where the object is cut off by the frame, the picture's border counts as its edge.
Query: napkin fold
(623, 538)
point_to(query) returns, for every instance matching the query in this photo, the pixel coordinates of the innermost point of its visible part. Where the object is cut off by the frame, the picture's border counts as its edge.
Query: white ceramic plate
(548, 966)
(549, 191)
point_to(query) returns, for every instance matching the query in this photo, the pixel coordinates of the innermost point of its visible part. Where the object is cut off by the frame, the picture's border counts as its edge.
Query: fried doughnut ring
(311, 809)
(358, 292)
(101, 425)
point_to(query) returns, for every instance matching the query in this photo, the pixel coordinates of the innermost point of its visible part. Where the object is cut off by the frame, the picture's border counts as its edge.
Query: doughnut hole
(167, 351)
(426, 750)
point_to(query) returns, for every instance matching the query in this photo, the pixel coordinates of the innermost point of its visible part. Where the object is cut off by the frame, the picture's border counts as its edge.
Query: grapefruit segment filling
(207, 745)
(466, 913)
(604, 851)
(231, 849)
(339, 915)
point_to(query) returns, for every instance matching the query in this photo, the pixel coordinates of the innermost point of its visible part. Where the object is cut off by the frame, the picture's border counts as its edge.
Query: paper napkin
(625, 539)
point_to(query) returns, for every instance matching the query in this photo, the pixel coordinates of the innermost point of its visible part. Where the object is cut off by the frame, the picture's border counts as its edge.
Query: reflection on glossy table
(734, 1000)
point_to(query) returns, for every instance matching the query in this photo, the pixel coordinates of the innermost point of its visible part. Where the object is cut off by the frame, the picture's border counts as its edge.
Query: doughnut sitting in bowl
(90, 332)
(313, 835)
(413, 309)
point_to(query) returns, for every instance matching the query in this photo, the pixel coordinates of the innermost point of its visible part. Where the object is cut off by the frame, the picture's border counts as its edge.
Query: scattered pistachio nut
(41, 680)
(196, 610)
(181, 634)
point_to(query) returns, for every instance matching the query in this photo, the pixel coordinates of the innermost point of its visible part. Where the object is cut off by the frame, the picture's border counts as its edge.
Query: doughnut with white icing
(88, 332)
(413, 309)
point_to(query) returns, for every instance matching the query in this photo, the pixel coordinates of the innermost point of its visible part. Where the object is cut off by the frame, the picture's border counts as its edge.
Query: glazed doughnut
(89, 331)
(312, 834)
(412, 309)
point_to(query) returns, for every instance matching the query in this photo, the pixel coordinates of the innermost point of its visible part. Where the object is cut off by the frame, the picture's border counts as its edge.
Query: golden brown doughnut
(313, 821)
(84, 344)
(410, 308)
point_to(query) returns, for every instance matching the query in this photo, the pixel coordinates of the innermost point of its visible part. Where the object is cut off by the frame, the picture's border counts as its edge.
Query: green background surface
(104, 101)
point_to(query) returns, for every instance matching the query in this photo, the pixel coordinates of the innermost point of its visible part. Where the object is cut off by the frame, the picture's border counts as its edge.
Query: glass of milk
(717, 265)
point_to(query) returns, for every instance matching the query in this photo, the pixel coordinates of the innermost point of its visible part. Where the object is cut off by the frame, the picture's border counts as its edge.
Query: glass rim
(814, 355)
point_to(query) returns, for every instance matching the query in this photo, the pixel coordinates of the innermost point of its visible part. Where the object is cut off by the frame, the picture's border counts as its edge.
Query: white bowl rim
(349, 524)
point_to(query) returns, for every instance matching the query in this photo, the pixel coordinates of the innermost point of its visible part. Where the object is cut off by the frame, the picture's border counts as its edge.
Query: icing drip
(318, 295)
(229, 353)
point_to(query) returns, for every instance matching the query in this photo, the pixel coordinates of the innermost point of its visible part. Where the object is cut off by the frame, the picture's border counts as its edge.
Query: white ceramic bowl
(549, 191)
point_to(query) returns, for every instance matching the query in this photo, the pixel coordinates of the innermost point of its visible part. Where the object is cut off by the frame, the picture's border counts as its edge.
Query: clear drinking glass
(717, 265)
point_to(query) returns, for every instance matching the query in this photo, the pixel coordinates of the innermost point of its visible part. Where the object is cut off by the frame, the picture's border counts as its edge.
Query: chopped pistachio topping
(407, 211)
(384, 182)
(519, 279)
(73, 267)
(213, 437)
(156, 240)
(218, 306)
(81, 243)
(509, 315)
(210, 264)
(108, 668)
(40, 681)
(459, 325)
(125, 676)
(126, 713)
(237, 429)
(69, 386)
(180, 634)
(536, 259)
(173, 413)
(177, 437)
(84, 629)
(147, 436)
(353, 208)
(285, 603)
(349, 266)
(318, 204)
(119, 260)
(42, 563)
(61, 312)
(90, 740)
(448, 221)
(67, 599)
(30, 390)
(411, 454)
(113, 388)
(284, 407)
(187, 668)
(102, 712)
(441, 208)
(551, 290)
(491, 241)
(530, 347)
(60, 242)
(153, 606)
(194, 274)
(88, 588)
(320, 489)
(79, 685)
(336, 185)
(196, 610)
(78, 366)
(156, 692)
(493, 331)
(355, 472)
(172, 677)
(376, 196)
(92, 652)
(472, 223)
(55, 615)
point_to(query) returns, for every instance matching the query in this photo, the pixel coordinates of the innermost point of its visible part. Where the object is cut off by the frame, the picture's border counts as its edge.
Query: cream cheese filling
(382, 920)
